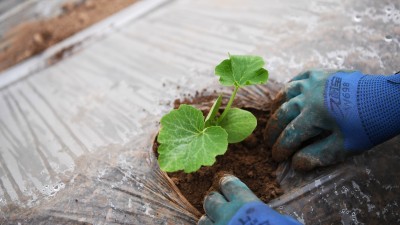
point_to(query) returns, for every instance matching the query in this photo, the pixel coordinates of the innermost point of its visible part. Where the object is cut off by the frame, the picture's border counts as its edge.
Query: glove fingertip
(270, 135)
(280, 98)
(280, 154)
(204, 220)
(228, 179)
(303, 162)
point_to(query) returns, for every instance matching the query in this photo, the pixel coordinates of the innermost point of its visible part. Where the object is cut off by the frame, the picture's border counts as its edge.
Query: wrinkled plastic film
(128, 187)
(117, 188)
(362, 190)
(76, 137)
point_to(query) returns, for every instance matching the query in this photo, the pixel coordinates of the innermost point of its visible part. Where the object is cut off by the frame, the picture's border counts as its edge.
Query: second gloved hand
(325, 116)
(237, 205)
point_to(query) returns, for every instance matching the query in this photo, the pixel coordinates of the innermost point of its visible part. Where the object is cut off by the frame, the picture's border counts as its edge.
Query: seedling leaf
(186, 144)
(242, 70)
(187, 141)
(239, 124)
(210, 119)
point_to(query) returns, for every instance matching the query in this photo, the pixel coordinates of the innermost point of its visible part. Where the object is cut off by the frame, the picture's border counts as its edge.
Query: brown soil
(250, 161)
(34, 37)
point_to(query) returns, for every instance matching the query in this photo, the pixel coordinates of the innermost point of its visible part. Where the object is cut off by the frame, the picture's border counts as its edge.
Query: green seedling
(188, 140)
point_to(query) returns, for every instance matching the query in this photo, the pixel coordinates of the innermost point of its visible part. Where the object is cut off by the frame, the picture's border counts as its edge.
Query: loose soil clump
(250, 161)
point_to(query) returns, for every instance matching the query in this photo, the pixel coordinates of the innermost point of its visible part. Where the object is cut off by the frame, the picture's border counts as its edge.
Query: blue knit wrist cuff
(258, 213)
(366, 107)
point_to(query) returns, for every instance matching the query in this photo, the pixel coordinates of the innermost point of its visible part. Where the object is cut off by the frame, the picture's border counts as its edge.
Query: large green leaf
(185, 143)
(239, 124)
(242, 70)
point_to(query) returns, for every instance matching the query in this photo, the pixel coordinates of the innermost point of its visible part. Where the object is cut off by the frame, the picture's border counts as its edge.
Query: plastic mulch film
(76, 137)
(363, 190)
(129, 188)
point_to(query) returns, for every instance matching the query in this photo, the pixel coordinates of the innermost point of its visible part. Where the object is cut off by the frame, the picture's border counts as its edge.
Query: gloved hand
(237, 205)
(325, 116)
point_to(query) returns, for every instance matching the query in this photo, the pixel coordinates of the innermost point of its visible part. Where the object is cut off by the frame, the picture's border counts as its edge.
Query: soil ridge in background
(33, 37)
(249, 160)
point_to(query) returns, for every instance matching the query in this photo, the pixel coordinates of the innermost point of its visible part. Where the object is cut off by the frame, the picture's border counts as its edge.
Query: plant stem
(228, 106)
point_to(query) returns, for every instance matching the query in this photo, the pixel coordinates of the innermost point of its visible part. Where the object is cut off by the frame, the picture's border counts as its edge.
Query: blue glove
(237, 205)
(326, 116)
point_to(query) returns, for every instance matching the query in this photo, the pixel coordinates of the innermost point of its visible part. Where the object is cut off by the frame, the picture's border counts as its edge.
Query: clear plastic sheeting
(363, 190)
(76, 137)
